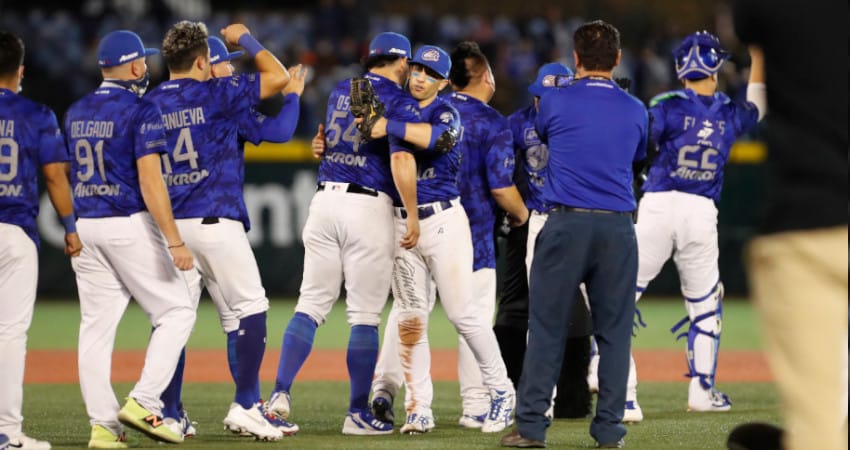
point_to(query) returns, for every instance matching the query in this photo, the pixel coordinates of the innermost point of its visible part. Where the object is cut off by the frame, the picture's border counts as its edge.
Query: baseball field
(53, 407)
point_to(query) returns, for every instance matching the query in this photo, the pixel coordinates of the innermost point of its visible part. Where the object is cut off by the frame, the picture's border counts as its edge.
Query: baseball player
(29, 139)
(349, 234)
(252, 125)
(512, 319)
(132, 247)
(205, 173)
(695, 128)
(442, 259)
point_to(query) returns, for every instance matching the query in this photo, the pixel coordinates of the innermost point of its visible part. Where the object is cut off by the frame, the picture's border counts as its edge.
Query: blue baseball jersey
(107, 131)
(487, 162)
(29, 139)
(595, 131)
(203, 122)
(350, 159)
(533, 155)
(437, 173)
(695, 134)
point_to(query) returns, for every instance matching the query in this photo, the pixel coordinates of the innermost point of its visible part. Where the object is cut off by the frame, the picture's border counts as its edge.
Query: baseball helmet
(700, 55)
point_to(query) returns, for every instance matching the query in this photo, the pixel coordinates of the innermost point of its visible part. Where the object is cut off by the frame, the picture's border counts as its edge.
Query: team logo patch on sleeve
(446, 117)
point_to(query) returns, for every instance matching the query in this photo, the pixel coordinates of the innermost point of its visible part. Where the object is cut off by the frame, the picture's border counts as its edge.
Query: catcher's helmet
(699, 56)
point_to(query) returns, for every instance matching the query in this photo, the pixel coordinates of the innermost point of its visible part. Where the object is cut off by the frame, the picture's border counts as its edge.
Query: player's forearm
(281, 128)
(273, 74)
(58, 188)
(155, 196)
(403, 168)
(756, 89)
(418, 134)
(510, 201)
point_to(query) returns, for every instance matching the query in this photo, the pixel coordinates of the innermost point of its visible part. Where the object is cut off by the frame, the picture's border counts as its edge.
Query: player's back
(29, 138)
(487, 163)
(532, 157)
(205, 169)
(695, 134)
(107, 131)
(349, 158)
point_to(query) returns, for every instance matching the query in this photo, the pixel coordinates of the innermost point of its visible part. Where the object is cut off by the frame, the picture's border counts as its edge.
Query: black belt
(428, 210)
(352, 189)
(562, 208)
(209, 220)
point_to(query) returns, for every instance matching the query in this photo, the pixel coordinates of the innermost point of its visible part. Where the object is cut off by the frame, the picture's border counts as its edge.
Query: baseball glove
(366, 105)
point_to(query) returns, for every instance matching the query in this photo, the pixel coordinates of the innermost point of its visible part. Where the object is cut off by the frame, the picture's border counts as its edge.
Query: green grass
(56, 326)
(56, 413)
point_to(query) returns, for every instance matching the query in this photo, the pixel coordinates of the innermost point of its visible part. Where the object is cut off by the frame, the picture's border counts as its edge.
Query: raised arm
(756, 88)
(273, 74)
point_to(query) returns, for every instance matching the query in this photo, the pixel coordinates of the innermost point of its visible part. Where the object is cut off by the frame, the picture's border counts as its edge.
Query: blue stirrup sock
(296, 346)
(171, 395)
(361, 358)
(232, 363)
(250, 348)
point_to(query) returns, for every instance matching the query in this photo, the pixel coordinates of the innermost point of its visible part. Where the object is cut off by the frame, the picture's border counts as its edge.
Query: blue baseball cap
(219, 53)
(389, 43)
(700, 55)
(120, 47)
(434, 58)
(547, 77)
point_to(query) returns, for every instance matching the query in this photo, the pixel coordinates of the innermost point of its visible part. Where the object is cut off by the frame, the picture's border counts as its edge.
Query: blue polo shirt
(594, 131)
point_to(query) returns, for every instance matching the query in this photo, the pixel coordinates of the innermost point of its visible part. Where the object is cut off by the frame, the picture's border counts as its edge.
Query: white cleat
(279, 405)
(712, 401)
(24, 442)
(251, 421)
(363, 423)
(500, 416)
(470, 421)
(632, 413)
(417, 423)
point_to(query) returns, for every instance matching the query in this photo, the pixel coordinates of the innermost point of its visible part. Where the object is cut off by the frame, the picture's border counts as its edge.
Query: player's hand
(297, 75)
(411, 237)
(182, 257)
(233, 32)
(379, 130)
(318, 142)
(518, 221)
(73, 245)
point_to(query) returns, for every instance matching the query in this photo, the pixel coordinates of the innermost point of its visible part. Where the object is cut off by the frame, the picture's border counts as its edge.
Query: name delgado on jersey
(101, 129)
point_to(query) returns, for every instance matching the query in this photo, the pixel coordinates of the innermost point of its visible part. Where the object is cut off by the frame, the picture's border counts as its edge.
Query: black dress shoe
(513, 439)
(755, 436)
(616, 444)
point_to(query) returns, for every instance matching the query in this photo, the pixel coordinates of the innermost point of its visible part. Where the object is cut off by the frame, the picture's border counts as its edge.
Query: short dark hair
(184, 42)
(378, 61)
(11, 54)
(597, 44)
(467, 61)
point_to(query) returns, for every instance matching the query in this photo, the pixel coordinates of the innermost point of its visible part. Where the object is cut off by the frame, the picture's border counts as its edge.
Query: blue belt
(428, 210)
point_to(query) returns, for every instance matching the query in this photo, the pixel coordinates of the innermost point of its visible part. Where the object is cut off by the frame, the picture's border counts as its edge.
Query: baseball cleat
(187, 426)
(101, 437)
(632, 413)
(4, 441)
(24, 442)
(417, 423)
(713, 401)
(500, 416)
(470, 421)
(136, 416)
(287, 428)
(382, 406)
(279, 405)
(363, 423)
(251, 421)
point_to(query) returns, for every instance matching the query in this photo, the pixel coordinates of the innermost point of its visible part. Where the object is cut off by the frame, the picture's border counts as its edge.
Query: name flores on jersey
(181, 179)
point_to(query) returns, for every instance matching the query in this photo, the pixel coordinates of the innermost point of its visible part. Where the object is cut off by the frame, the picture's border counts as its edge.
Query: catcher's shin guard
(705, 316)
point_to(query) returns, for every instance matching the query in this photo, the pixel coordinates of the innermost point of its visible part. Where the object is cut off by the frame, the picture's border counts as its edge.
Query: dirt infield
(211, 366)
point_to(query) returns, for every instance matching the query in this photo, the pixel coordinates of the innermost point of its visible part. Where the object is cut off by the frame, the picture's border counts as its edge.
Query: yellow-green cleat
(136, 416)
(101, 437)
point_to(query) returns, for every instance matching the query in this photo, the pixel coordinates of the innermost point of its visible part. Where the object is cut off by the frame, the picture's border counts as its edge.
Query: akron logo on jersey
(431, 55)
(446, 117)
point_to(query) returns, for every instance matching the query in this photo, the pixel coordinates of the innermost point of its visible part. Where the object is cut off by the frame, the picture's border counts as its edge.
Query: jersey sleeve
(402, 108)
(501, 161)
(658, 122)
(643, 118)
(238, 93)
(445, 118)
(149, 133)
(544, 113)
(746, 117)
(256, 126)
(51, 144)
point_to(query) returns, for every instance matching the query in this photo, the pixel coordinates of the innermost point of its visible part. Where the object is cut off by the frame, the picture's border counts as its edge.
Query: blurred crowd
(330, 37)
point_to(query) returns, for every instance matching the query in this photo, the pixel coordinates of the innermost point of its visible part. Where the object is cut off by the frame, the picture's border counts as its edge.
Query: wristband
(250, 44)
(396, 128)
(176, 246)
(70, 223)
